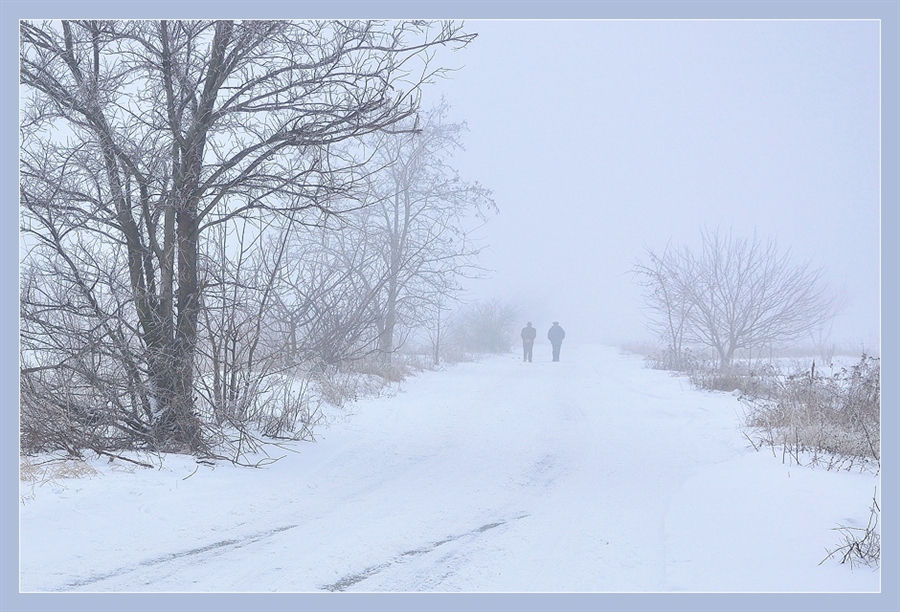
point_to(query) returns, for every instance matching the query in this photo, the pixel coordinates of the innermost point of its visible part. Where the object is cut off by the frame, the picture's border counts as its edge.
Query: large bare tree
(734, 294)
(139, 137)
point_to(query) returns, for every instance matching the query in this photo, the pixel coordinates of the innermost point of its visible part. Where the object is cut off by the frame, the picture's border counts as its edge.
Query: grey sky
(599, 138)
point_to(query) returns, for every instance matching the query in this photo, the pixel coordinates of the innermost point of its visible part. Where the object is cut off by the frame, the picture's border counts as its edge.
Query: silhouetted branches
(734, 294)
(148, 148)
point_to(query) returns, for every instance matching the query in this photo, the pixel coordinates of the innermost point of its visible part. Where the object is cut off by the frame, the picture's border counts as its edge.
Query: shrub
(684, 360)
(836, 416)
(705, 373)
(485, 327)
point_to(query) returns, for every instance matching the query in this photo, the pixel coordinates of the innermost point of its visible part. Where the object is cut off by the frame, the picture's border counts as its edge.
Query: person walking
(555, 336)
(528, 335)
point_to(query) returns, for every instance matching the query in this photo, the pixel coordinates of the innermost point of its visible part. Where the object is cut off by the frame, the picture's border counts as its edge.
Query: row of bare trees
(393, 264)
(206, 204)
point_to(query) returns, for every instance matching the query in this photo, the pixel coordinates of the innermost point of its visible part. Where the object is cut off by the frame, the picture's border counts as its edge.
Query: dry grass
(831, 420)
(370, 377)
(859, 545)
(39, 471)
(819, 417)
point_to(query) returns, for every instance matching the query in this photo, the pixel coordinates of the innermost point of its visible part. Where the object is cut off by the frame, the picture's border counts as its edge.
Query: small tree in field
(734, 294)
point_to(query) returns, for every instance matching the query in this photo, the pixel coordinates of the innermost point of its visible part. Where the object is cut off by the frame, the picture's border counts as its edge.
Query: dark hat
(556, 322)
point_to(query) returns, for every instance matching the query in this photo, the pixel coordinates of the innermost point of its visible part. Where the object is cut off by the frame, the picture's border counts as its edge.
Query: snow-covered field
(593, 474)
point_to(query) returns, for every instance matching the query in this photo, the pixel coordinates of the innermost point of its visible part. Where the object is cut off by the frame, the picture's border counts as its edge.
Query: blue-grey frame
(887, 11)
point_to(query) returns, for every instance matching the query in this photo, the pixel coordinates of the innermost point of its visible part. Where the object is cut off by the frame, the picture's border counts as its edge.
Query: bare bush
(289, 410)
(748, 378)
(369, 377)
(485, 327)
(822, 417)
(830, 420)
(683, 361)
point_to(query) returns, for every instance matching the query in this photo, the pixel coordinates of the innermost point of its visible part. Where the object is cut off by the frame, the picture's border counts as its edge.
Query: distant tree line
(207, 205)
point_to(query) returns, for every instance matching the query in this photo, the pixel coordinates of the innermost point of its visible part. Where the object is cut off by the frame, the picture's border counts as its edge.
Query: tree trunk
(386, 339)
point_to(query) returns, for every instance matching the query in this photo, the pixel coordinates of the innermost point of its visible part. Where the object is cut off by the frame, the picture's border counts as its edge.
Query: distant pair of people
(529, 333)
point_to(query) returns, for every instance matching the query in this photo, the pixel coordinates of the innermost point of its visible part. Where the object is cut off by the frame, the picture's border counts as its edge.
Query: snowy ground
(593, 474)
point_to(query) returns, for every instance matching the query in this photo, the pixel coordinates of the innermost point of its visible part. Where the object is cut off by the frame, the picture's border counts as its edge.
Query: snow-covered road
(591, 474)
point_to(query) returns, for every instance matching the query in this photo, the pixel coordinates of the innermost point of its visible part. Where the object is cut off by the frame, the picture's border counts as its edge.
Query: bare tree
(734, 294)
(139, 137)
(419, 217)
(668, 304)
(436, 318)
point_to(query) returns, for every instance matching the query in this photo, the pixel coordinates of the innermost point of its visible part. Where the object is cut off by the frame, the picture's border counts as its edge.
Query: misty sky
(600, 138)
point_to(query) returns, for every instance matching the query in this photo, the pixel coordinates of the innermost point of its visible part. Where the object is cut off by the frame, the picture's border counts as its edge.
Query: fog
(600, 139)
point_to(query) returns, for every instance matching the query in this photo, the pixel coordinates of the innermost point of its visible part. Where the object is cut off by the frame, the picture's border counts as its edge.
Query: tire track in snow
(348, 581)
(229, 545)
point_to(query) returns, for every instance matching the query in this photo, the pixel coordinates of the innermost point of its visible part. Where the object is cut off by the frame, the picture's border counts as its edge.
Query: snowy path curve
(593, 474)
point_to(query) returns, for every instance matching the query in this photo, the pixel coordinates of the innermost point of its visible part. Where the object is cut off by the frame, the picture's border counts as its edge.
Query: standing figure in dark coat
(556, 335)
(528, 335)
